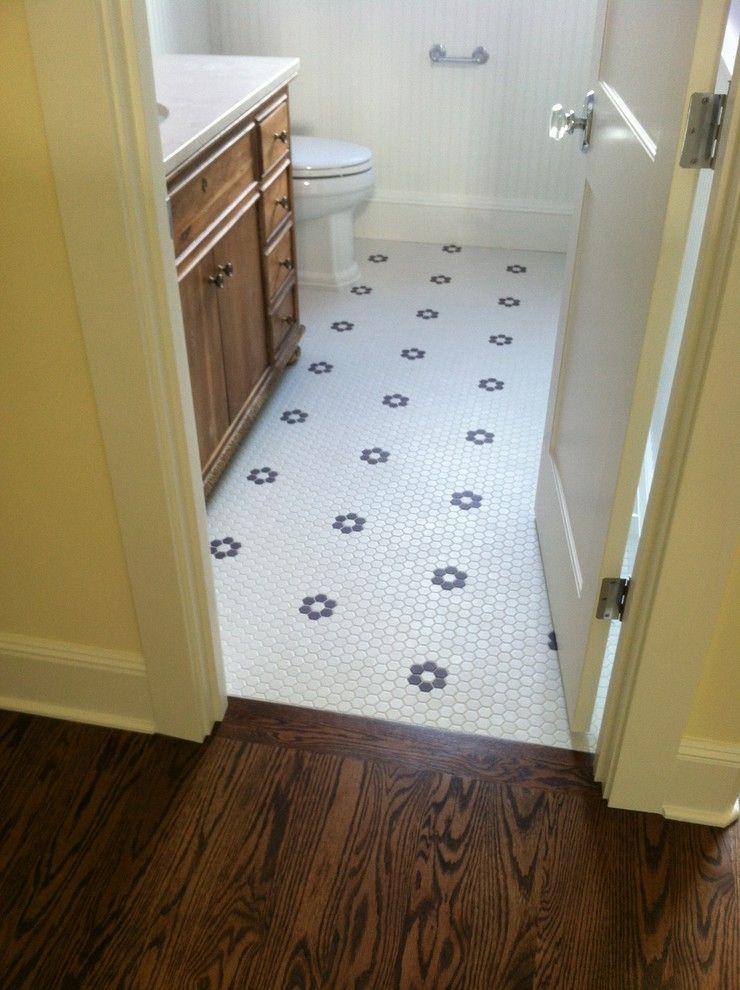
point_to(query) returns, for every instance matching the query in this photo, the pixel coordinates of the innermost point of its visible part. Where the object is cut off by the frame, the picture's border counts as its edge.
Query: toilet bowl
(330, 180)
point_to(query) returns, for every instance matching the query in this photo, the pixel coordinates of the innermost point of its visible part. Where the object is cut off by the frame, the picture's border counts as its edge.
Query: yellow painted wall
(62, 570)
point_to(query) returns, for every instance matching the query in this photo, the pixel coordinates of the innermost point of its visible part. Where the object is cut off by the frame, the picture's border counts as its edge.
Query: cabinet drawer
(280, 264)
(200, 196)
(275, 203)
(274, 136)
(283, 319)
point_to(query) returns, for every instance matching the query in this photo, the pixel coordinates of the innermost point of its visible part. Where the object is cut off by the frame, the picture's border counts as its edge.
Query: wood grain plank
(74, 852)
(478, 757)
(142, 863)
(705, 910)
(472, 918)
(209, 889)
(341, 912)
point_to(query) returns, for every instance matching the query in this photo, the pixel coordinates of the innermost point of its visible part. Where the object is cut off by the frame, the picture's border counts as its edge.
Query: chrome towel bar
(438, 54)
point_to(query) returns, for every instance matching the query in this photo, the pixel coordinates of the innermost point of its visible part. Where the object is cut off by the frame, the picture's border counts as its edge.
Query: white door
(624, 262)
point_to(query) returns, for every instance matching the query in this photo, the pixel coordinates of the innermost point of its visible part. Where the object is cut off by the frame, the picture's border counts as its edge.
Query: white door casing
(96, 84)
(624, 263)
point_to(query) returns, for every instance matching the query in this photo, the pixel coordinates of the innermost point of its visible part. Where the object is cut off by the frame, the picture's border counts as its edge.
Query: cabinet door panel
(241, 309)
(200, 315)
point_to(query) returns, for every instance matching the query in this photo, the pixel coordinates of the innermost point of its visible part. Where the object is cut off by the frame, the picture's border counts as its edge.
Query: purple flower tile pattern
(412, 353)
(479, 437)
(342, 326)
(552, 641)
(449, 577)
(361, 290)
(227, 547)
(466, 500)
(378, 259)
(452, 249)
(320, 367)
(491, 384)
(508, 301)
(500, 339)
(516, 269)
(351, 523)
(293, 416)
(374, 455)
(262, 476)
(427, 675)
(427, 314)
(440, 279)
(319, 607)
(395, 401)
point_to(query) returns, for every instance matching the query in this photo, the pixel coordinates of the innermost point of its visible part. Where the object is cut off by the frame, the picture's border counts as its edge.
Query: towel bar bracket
(438, 54)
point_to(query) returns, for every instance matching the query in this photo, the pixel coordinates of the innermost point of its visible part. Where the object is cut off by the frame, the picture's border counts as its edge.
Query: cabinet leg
(294, 356)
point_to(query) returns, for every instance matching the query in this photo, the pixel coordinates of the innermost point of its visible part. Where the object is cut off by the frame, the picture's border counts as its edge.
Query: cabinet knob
(218, 280)
(289, 321)
(227, 269)
(284, 202)
(281, 136)
(287, 263)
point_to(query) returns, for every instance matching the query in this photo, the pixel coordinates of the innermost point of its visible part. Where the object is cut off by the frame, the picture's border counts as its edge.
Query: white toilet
(330, 180)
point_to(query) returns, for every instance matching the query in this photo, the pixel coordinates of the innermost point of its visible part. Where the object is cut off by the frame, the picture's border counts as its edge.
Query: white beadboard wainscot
(462, 152)
(179, 27)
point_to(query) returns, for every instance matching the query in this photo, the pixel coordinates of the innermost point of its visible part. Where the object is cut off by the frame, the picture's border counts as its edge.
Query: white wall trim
(703, 785)
(75, 682)
(700, 816)
(104, 144)
(62, 652)
(474, 202)
(525, 225)
(710, 751)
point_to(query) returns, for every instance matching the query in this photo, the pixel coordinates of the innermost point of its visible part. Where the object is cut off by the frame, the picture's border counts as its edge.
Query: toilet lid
(321, 158)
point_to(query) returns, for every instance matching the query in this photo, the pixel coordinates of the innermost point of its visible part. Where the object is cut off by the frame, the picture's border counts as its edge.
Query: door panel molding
(570, 540)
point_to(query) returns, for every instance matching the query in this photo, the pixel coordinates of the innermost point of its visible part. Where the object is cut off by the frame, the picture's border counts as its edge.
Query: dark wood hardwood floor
(299, 849)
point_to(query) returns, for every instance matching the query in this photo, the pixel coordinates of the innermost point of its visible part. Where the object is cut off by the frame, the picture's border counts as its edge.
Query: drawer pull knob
(287, 263)
(284, 202)
(227, 269)
(218, 280)
(281, 136)
(289, 321)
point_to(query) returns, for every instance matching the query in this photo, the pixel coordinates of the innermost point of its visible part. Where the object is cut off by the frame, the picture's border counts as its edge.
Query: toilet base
(326, 251)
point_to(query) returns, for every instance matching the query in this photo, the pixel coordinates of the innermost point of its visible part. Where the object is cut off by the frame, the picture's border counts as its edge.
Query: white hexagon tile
(374, 547)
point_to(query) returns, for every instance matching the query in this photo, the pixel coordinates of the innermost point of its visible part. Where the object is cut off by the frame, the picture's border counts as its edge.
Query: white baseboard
(320, 280)
(705, 782)
(518, 224)
(74, 682)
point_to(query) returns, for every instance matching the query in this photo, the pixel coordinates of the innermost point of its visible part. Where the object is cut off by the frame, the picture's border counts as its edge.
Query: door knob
(564, 122)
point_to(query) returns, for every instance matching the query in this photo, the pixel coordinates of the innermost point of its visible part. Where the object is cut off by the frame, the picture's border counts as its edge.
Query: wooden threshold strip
(476, 757)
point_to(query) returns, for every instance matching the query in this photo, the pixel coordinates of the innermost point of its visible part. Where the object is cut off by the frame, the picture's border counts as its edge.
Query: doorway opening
(369, 552)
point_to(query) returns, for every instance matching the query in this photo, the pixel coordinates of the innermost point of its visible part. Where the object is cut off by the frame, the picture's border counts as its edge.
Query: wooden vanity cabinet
(232, 226)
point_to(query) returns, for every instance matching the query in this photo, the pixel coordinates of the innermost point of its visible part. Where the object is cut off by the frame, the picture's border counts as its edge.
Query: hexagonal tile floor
(374, 546)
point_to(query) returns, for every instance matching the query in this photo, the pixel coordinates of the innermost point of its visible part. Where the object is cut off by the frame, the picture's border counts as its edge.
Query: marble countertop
(203, 94)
